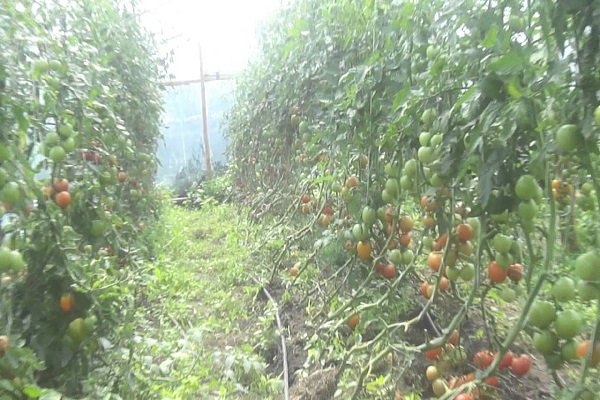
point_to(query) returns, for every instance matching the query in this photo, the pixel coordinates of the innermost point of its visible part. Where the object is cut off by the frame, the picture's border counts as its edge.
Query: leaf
(491, 37)
(466, 96)
(354, 207)
(559, 23)
(32, 391)
(51, 395)
(507, 64)
(247, 364)
(105, 343)
(486, 173)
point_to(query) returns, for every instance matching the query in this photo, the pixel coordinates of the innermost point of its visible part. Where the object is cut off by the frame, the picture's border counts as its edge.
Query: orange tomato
(496, 273)
(353, 321)
(63, 199)
(364, 250)
(434, 260)
(66, 302)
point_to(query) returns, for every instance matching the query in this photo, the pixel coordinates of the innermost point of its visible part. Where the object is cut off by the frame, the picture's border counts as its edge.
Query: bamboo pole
(204, 118)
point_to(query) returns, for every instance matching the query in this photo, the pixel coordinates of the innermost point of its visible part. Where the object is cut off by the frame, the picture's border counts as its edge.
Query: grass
(194, 335)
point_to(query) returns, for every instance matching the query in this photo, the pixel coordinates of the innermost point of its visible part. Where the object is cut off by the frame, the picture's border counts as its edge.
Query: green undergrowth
(195, 335)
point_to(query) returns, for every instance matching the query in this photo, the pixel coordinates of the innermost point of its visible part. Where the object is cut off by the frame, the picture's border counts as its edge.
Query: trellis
(202, 80)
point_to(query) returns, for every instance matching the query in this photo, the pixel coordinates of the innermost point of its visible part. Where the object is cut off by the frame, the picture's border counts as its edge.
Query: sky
(226, 30)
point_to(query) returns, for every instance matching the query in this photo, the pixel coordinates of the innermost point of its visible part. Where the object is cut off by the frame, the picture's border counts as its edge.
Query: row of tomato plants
(80, 108)
(460, 109)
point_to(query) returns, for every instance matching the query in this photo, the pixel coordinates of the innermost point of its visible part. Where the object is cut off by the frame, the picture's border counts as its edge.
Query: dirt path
(201, 329)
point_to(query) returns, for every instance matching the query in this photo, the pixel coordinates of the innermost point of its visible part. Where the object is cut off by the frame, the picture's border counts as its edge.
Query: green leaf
(32, 391)
(399, 99)
(51, 395)
(507, 64)
(491, 37)
(559, 23)
(466, 96)
(354, 207)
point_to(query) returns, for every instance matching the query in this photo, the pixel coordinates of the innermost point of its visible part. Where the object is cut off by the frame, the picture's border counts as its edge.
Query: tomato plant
(454, 147)
(75, 79)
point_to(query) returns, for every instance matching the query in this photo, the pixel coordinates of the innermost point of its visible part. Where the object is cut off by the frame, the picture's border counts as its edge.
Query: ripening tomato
(66, 302)
(433, 354)
(506, 360)
(353, 321)
(464, 232)
(483, 359)
(521, 365)
(496, 273)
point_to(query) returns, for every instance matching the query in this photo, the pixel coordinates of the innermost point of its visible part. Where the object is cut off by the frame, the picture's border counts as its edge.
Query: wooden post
(204, 118)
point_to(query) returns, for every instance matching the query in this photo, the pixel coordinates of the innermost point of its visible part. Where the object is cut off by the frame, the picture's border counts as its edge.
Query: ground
(208, 328)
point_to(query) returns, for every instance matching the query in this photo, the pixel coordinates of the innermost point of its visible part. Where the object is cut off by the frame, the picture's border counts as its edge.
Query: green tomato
(568, 351)
(11, 193)
(96, 228)
(437, 181)
(295, 120)
(436, 140)
(500, 218)
(410, 168)
(453, 273)
(51, 139)
(424, 138)
(504, 260)
(68, 145)
(508, 294)
(587, 188)
(386, 196)
(395, 257)
(588, 291)
(542, 314)
(432, 52)
(568, 324)
(568, 137)
(406, 183)
(360, 232)
(391, 186)
(597, 116)
(428, 117)
(475, 225)
(303, 127)
(391, 169)
(3, 176)
(65, 130)
(554, 361)
(369, 216)
(57, 154)
(526, 187)
(40, 67)
(407, 256)
(545, 341)
(563, 289)
(5, 260)
(587, 266)
(427, 242)
(468, 272)
(77, 330)
(425, 155)
(528, 226)
(502, 243)
(90, 323)
(527, 210)
(55, 65)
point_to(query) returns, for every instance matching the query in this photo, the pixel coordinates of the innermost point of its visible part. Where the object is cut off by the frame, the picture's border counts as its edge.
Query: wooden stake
(204, 118)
